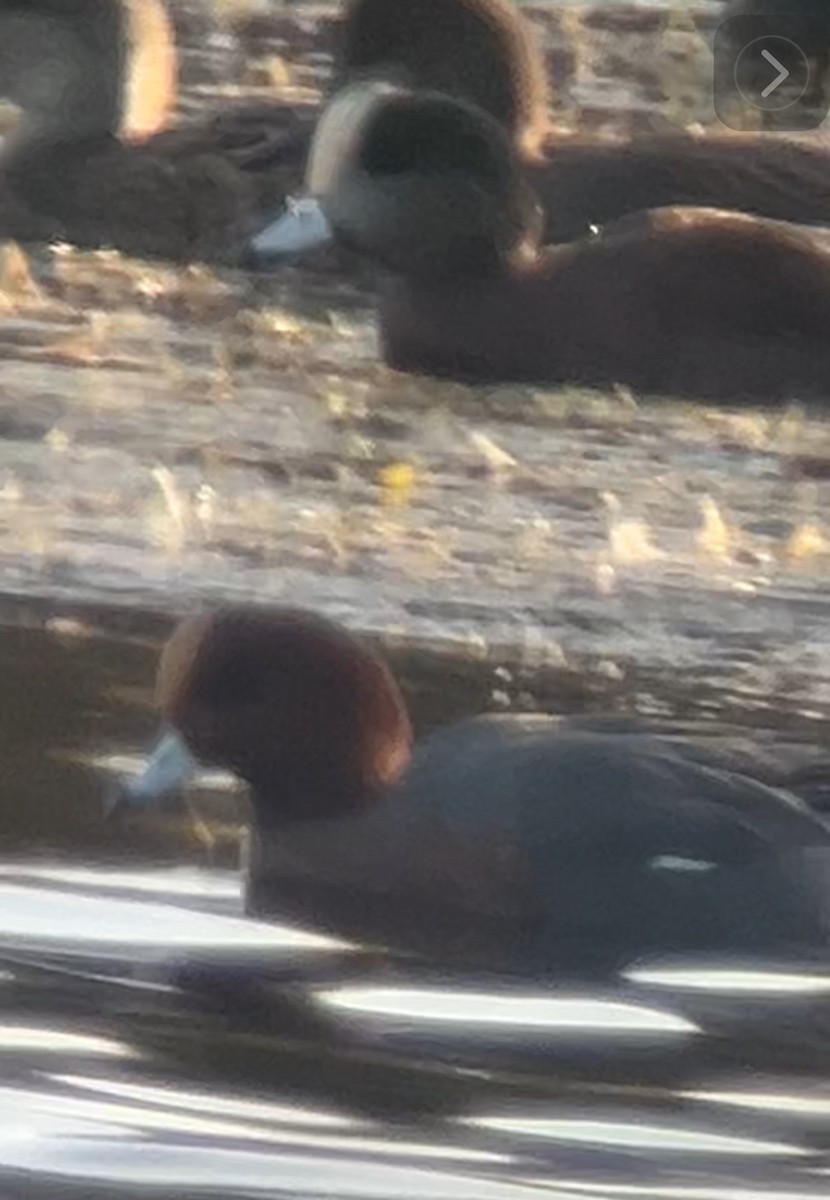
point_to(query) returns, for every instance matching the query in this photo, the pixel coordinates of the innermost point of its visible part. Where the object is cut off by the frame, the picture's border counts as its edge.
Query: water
(153, 1043)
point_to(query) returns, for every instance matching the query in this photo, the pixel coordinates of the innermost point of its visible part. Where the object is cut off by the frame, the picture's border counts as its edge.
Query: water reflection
(35, 919)
(760, 1192)
(213, 1170)
(182, 883)
(629, 1136)
(334, 1098)
(21, 1039)
(225, 1105)
(775, 1102)
(468, 1014)
(713, 977)
(155, 1043)
(176, 1111)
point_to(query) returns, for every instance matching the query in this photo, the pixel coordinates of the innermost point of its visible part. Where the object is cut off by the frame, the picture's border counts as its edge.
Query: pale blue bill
(300, 228)
(168, 769)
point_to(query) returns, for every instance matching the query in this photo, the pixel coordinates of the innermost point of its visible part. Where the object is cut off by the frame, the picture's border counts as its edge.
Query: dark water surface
(154, 1043)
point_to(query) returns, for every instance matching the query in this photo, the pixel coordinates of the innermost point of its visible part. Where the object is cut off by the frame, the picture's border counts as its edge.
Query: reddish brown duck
(501, 842)
(691, 301)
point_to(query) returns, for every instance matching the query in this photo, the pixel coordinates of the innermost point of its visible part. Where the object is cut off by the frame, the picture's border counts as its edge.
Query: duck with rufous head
(499, 842)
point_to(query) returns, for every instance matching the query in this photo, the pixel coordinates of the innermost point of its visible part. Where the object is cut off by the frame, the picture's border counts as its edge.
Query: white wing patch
(675, 862)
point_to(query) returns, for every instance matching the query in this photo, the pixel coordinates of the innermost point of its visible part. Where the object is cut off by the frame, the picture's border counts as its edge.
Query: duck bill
(168, 769)
(301, 228)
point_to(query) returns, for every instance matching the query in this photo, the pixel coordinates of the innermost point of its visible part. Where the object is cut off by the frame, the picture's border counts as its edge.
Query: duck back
(696, 302)
(513, 847)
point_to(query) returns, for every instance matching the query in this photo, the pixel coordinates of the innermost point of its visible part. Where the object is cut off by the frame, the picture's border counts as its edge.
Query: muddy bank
(176, 436)
(612, 67)
(170, 437)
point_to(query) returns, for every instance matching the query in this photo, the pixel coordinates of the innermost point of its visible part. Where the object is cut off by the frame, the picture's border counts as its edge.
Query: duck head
(291, 703)
(482, 51)
(425, 184)
(81, 68)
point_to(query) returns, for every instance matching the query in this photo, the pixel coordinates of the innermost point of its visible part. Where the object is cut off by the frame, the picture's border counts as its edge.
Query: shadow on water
(155, 1044)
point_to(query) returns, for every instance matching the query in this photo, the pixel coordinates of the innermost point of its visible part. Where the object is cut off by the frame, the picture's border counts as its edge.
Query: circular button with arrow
(768, 70)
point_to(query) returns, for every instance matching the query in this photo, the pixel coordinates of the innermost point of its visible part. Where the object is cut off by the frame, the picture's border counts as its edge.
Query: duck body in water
(676, 302)
(499, 842)
(688, 301)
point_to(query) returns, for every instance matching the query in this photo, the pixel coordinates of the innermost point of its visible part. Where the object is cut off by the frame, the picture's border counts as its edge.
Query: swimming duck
(498, 842)
(91, 160)
(689, 301)
(485, 51)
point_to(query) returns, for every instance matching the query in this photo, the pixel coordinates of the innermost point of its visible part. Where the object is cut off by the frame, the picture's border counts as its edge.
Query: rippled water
(156, 1043)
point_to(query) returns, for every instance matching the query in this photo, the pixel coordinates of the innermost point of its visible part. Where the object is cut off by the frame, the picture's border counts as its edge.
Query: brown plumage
(681, 300)
(92, 161)
(485, 52)
(581, 182)
(505, 842)
(330, 745)
(696, 302)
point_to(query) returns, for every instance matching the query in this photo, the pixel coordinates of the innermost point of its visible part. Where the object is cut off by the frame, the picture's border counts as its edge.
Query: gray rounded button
(772, 73)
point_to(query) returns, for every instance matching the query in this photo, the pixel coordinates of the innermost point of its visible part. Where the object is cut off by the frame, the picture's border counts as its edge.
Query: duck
(94, 160)
(684, 301)
(498, 843)
(482, 51)
(486, 52)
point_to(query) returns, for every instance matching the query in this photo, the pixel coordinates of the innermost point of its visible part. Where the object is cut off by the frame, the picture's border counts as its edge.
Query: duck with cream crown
(697, 302)
(485, 51)
(93, 161)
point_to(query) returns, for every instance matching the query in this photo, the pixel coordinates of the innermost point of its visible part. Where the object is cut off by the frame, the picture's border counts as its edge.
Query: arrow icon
(784, 73)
